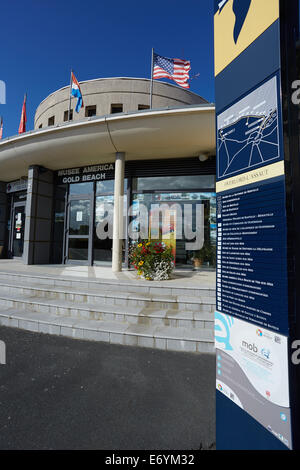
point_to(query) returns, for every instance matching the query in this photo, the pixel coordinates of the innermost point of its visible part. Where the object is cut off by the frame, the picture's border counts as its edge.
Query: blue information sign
(252, 317)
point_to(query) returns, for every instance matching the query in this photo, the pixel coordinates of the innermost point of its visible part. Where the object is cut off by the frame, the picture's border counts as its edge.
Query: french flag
(76, 92)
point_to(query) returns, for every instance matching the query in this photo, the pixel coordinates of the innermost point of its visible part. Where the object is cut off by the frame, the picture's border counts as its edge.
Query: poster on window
(162, 226)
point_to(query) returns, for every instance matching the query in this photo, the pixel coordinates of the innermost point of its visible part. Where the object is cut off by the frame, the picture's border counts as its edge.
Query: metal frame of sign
(257, 318)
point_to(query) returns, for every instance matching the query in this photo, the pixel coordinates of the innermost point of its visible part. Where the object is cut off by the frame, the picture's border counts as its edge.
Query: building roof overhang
(152, 134)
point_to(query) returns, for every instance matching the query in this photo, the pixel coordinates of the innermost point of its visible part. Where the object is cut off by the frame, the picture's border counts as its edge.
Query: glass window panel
(78, 249)
(174, 182)
(102, 249)
(103, 237)
(103, 213)
(81, 188)
(107, 186)
(59, 218)
(79, 217)
(186, 257)
(18, 233)
(21, 196)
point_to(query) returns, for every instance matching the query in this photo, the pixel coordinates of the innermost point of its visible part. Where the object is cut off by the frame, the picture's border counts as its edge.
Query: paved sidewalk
(59, 393)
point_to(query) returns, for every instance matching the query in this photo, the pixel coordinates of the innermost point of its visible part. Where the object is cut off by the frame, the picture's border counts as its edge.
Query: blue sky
(42, 40)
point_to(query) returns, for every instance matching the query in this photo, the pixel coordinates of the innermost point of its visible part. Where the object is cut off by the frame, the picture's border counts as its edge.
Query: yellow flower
(140, 244)
(141, 263)
(140, 272)
(147, 244)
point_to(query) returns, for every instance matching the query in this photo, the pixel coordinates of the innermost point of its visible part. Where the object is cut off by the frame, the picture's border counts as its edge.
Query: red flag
(22, 126)
(1, 128)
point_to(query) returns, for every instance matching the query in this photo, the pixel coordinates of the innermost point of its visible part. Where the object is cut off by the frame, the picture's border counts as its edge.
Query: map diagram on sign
(248, 132)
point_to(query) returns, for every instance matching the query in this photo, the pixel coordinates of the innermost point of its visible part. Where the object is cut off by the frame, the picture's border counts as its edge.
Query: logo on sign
(223, 324)
(283, 417)
(240, 9)
(266, 353)
(238, 23)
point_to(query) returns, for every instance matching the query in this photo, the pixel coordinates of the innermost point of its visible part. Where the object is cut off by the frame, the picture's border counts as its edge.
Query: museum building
(57, 179)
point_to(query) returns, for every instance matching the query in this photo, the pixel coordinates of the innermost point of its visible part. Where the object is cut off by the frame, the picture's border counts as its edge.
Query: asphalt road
(59, 393)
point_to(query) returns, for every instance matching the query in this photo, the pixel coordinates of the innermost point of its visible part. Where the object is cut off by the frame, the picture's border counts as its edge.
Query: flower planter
(153, 260)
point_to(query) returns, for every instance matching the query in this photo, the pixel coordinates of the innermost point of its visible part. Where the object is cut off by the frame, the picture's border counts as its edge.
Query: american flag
(175, 69)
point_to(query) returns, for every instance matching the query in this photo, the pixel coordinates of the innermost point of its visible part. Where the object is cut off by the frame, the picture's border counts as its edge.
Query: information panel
(251, 254)
(252, 371)
(248, 131)
(251, 320)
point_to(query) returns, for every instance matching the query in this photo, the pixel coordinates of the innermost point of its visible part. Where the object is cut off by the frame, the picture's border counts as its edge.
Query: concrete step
(152, 314)
(108, 297)
(135, 286)
(160, 337)
(143, 315)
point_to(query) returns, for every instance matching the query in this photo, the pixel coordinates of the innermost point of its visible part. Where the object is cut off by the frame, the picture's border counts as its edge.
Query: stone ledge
(65, 280)
(48, 304)
(173, 339)
(123, 295)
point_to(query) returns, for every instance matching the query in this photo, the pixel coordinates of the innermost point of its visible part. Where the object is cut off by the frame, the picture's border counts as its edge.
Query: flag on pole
(1, 127)
(175, 69)
(22, 126)
(76, 92)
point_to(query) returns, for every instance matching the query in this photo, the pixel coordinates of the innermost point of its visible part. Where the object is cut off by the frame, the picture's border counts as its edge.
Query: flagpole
(151, 84)
(69, 115)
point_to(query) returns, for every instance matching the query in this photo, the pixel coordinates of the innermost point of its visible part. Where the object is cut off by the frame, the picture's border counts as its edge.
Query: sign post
(257, 310)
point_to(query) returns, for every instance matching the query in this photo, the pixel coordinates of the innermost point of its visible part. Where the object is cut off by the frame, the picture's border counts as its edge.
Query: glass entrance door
(104, 210)
(79, 230)
(18, 229)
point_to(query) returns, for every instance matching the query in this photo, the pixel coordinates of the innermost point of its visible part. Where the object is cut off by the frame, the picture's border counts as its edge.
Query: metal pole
(69, 115)
(151, 84)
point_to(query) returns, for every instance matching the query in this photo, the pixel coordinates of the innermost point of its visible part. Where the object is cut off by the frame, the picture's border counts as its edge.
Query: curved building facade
(111, 96)
(74, 188)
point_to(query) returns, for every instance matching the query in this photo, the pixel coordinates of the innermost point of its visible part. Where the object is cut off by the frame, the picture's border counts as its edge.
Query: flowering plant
(153, 260)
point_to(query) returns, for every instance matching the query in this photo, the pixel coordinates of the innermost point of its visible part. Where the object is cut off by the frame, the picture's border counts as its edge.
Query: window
(143, 106)
(175, 183)
(90, 111)
(116, 108)
(107, 186)
(184, 206)
(81, 188)
(51, 121)
(66, 115)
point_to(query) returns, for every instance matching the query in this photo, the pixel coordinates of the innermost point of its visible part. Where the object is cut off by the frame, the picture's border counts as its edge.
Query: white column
(118, 212)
